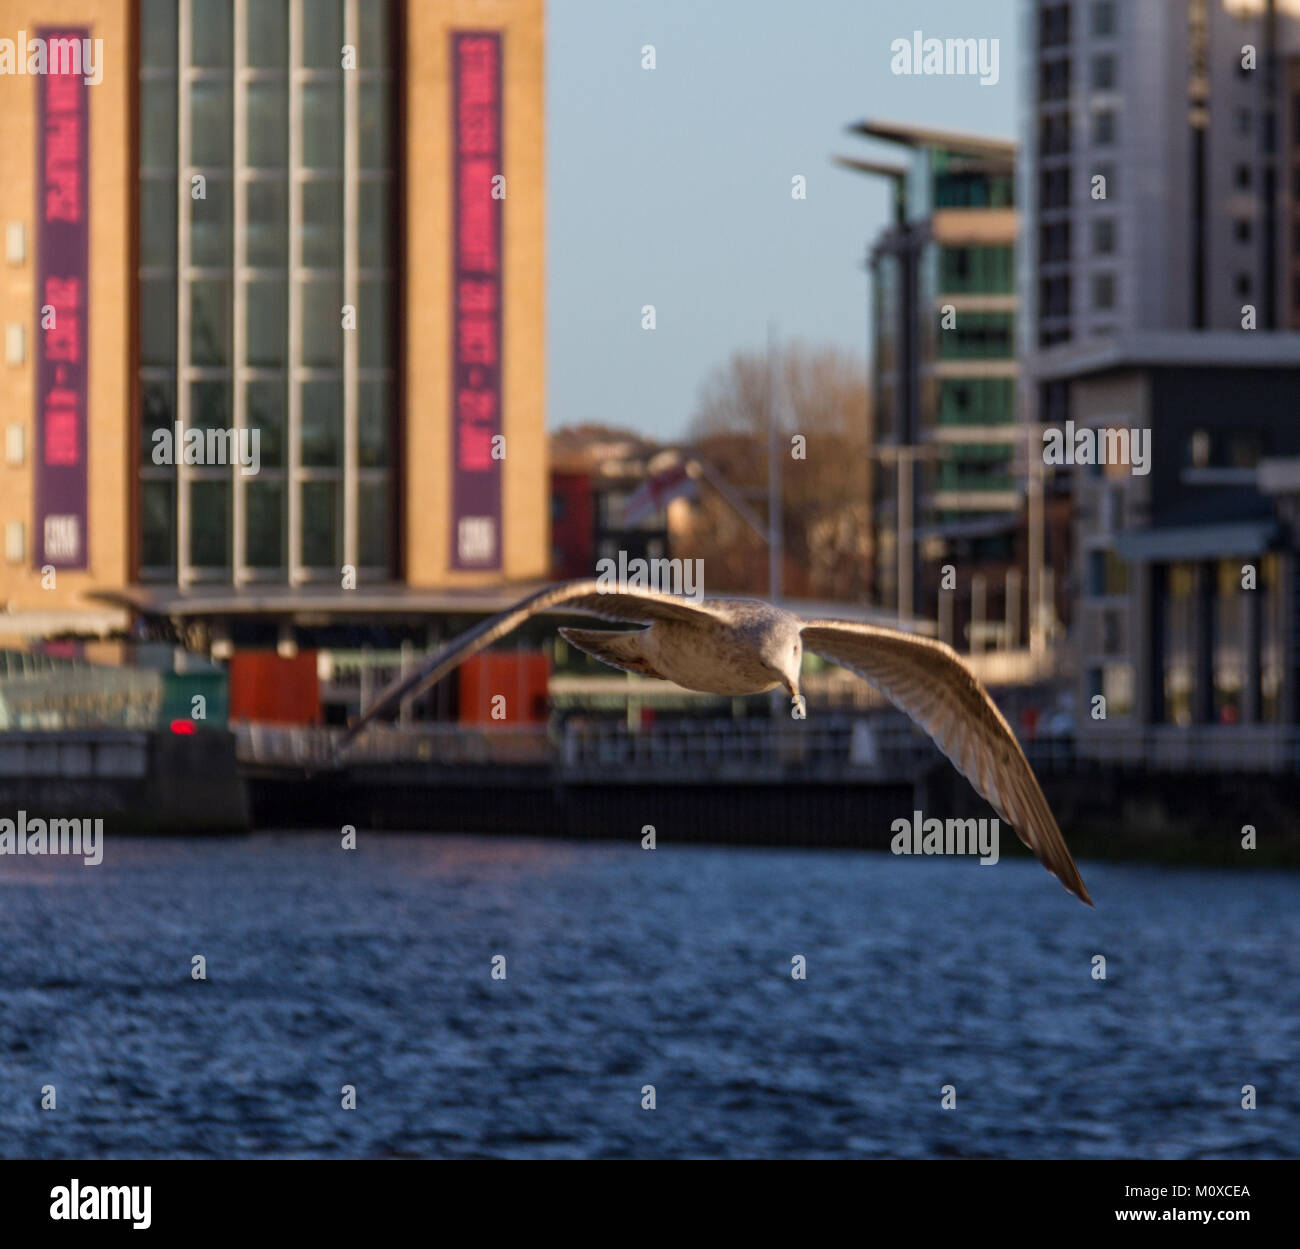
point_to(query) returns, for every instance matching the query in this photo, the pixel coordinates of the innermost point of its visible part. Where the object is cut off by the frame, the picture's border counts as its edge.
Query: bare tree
(823, 417)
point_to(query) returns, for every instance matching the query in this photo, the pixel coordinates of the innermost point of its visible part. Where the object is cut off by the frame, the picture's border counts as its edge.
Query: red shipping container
(274, 689)
(521, 678)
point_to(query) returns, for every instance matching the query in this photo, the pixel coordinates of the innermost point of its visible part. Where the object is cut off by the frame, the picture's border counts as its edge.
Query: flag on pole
(657, 491)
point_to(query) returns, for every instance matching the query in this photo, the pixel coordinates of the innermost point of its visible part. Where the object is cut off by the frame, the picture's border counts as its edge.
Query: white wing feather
(583, 597)
(928, 681)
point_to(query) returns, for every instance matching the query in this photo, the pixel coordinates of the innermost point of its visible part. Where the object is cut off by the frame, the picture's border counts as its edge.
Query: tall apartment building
(286, 217)
(1161, 168)
(948, 488)
(1161, 185)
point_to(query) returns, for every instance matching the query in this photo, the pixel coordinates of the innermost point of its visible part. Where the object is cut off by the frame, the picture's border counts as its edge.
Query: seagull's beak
(793, 686)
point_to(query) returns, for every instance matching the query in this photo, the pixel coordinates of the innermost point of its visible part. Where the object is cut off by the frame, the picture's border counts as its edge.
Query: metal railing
(885, 748)
(344, 674)
(1242, 748)
(882, 749)
(42, 693)
(317, 746)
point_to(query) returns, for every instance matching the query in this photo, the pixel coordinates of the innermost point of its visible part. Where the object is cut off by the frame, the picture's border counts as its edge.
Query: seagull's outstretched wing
(586, 597)
(928, 681)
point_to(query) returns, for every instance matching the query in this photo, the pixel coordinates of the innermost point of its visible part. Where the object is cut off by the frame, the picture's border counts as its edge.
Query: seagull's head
(783, 656)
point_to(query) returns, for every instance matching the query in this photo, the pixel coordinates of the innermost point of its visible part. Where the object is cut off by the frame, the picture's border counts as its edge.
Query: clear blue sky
(672, 187)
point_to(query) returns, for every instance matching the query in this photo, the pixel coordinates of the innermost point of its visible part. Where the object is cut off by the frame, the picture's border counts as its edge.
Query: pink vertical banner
(62, 285)
(477, 208)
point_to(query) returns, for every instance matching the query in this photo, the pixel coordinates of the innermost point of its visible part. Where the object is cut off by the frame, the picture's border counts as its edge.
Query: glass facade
(1107, 574)
(1228, 625)
(982, 331)
(979, 336)
(1178, 644)
(266, 288)
(1272, 639)
(1221, 645)
(977, 270)
(973, 189)
(977, 466)
(923, 391)
(976, 401)
(886, 288)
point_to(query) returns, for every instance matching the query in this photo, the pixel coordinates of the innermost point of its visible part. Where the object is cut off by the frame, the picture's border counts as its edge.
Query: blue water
(627, 968)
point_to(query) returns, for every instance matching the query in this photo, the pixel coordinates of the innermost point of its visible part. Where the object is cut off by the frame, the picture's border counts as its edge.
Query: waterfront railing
(884, 747)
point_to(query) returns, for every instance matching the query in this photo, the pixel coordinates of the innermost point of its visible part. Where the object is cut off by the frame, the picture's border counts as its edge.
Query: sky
(672, 186)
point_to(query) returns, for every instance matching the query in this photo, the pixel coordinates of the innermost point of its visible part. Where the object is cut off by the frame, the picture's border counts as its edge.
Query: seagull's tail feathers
(587, 598)
(618, 648)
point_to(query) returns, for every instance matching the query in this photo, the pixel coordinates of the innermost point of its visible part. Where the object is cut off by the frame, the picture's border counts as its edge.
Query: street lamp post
(905, 456)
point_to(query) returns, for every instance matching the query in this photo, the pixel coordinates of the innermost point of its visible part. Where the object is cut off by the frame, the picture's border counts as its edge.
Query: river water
(626, 968)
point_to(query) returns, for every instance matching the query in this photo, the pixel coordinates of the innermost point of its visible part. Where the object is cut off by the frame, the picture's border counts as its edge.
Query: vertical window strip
(185, 28)
(351, 284)
(239, 243)
(293, 411)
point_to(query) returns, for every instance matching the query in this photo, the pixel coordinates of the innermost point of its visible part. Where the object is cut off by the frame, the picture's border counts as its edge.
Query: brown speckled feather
(745, 646)
(928, 681)
(583, 597)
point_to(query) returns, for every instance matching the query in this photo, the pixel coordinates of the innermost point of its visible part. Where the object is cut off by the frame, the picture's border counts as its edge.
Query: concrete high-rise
(1160, 283)
(1161, 167)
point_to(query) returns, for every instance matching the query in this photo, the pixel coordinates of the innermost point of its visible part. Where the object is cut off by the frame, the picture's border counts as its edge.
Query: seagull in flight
(746, 646)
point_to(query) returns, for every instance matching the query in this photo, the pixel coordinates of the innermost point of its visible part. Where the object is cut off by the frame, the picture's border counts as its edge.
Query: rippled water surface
(628, 968)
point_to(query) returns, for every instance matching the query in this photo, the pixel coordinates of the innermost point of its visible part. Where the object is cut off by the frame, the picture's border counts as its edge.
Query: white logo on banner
(62, 537)
(476, 539)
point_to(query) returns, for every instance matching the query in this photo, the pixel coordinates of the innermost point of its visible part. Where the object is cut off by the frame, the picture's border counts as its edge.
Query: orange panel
(273, 688)
(521, 678)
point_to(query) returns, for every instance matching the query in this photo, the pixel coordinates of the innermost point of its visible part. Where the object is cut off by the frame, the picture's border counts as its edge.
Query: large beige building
(273, 305)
